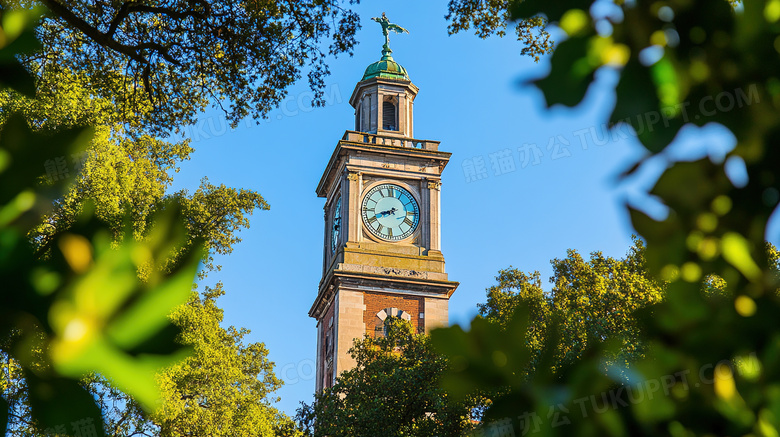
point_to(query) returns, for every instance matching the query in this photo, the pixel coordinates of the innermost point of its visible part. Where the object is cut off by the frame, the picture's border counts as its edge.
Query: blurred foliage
(82, 308)
(392, 390)
(145, 60)
(590, 301)
(712, 363)
(92, 314)
(223, 388)
(58, 323)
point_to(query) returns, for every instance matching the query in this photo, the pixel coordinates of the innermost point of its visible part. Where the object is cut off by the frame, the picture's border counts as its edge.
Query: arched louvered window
(389, 116)
(380, 329)
(359, 119)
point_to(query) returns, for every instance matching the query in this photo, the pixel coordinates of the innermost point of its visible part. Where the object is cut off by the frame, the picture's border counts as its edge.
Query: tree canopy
(158, 63)
(224, 388)
(393, 390)
(108, 197)
(590, 301)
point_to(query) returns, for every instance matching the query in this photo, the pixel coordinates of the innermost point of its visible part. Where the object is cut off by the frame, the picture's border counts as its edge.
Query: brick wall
(376, 302)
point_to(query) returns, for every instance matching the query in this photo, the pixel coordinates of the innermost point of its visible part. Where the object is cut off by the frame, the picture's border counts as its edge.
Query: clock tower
(382, 256)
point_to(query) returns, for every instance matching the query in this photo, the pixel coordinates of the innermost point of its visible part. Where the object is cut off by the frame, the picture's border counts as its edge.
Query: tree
(590, 301)
(393, 390)
(120, 181)
(715, 226)
(491, 17)
(224, 387)
(125, 176)
(158, 63)
(54, 327)
(114, 179)
(125, 180)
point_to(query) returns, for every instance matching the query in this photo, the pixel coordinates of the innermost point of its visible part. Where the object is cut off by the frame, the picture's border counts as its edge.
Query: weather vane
(387, 25)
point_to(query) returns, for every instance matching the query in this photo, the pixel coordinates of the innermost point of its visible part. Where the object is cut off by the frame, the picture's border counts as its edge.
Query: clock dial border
(395, 190)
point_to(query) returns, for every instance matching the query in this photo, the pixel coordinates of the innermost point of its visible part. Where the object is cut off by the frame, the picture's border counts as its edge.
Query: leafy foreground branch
(58, 322)
(99, 320)
(715, 228)
(82, 308)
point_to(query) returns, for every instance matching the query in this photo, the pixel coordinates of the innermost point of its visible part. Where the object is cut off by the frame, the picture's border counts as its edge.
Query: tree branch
(132, 7)
(66, 14)
(106, 39)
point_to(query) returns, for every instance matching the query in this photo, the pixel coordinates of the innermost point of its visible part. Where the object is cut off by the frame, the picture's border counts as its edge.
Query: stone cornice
(344, 147)
(380, 282)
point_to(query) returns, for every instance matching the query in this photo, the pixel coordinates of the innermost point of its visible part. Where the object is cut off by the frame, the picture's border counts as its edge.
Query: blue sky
(522, 211)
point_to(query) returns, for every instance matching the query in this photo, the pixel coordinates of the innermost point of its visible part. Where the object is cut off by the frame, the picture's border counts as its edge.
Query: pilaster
(349, 327)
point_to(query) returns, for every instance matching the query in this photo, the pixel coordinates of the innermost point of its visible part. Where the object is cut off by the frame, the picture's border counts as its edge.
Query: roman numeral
(390, 192)
(411, 213)
(379, 229)
(390, 232)
(408, 222)
(372, 220)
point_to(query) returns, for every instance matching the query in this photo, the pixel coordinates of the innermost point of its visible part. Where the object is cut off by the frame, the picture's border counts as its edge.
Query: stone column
(425, 214)
(410, 111)
(320, 362)
(436, 313)
(433, 189)
(349, 326)
(325, 252)
(352, 200)
(402, 117)
(378, 111)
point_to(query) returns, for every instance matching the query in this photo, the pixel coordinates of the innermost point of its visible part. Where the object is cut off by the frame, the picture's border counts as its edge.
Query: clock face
(390, 212)
(335, 229)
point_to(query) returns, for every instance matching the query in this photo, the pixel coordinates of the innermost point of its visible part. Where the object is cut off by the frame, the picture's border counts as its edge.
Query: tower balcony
(388, 140)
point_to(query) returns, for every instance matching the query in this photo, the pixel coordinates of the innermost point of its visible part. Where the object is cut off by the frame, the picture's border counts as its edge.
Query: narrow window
(389, 116)
(359, 120)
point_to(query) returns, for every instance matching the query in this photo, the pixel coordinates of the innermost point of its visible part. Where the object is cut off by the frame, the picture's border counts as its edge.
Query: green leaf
(95, 331)
(32, 154)
(571, 73)
(61, 402)
(18, 29)
(639, 106)
(14, 75)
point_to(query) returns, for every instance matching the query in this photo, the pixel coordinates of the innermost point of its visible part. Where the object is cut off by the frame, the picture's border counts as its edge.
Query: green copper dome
(386, 68)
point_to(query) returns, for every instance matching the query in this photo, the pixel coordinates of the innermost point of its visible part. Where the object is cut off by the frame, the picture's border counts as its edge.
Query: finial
(387, 25)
